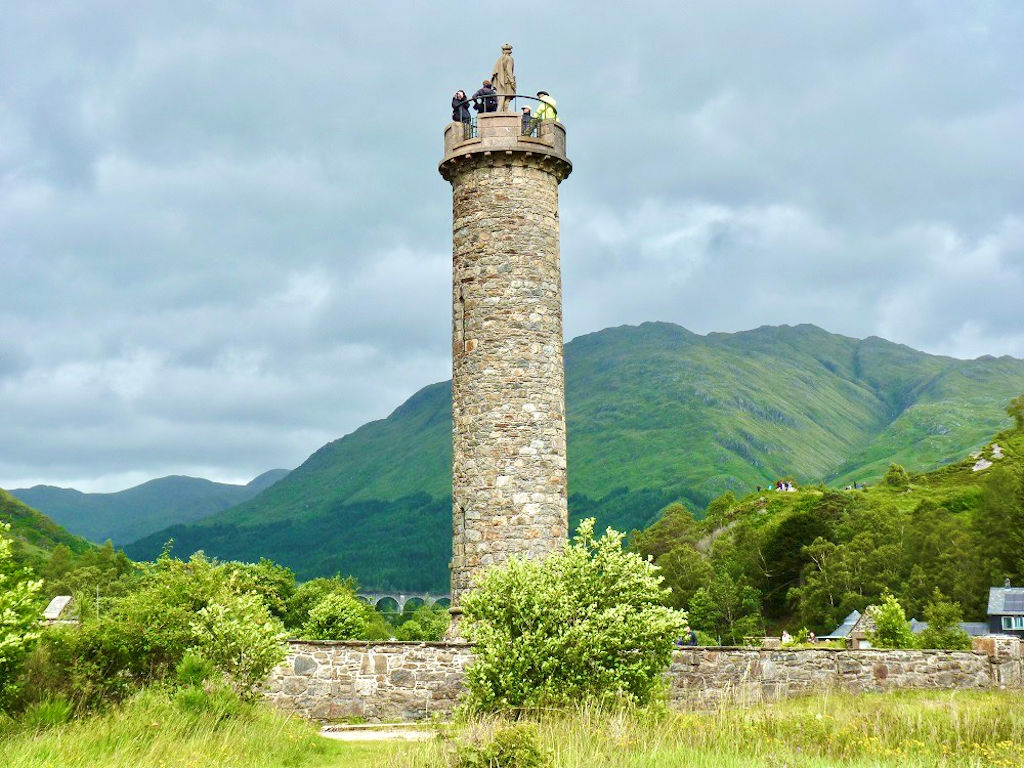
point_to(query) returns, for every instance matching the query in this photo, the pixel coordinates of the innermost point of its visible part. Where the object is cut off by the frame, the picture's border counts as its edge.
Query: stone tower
(508, 379)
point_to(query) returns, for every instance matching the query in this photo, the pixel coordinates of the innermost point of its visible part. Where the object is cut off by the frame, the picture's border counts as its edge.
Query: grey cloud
(224, 240)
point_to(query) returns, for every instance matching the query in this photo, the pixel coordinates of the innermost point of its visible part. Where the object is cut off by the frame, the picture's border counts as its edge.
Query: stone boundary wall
(382, 681)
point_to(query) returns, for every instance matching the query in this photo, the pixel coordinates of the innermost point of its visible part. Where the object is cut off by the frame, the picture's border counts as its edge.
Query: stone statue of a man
(504, 79)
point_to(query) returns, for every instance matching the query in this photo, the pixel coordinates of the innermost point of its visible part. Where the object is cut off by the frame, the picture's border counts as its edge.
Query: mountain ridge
(124, 516)
(655, 413)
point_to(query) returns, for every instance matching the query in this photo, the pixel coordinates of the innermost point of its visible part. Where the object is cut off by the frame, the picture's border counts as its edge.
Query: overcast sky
(224, 240)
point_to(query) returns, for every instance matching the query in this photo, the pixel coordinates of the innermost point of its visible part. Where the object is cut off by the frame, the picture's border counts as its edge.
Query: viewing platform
(494, 134)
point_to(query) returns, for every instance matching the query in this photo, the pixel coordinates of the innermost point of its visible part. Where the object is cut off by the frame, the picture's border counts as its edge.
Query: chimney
(1006, 583)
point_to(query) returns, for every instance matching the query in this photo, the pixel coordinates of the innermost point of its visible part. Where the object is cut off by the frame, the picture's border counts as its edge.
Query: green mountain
(127, 515)
(655, 413)
(33, 533)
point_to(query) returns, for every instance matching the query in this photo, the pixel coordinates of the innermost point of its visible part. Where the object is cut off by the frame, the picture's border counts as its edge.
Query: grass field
(909, 730)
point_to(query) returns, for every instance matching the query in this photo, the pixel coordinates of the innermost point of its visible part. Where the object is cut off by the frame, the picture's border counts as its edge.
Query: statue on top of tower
(504, 79)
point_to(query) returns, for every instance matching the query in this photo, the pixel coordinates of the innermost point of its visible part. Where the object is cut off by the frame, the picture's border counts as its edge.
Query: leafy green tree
(785, 557)
(676, 525)
(19, 617)
(727, 610)
(944, 630)
(891, 630)
(308, 594)
(1016, 410)
(336, 616)
(1000, 518)
(426, 623)
(685, 570)
(588, 621)
(896, 477)
(274, 583)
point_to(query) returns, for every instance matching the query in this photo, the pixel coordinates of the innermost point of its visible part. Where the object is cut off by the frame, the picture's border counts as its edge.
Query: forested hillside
(125, 516)
(35, 535)
(808, 558)
(655, 414)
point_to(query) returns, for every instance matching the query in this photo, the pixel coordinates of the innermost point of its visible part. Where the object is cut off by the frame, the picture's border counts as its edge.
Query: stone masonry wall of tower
(508, 382)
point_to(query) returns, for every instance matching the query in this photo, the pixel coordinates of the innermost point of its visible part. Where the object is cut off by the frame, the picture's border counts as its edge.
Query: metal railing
(489, 103)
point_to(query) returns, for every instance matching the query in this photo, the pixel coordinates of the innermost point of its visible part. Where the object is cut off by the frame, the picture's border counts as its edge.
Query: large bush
(891, 630)
(336, 616)
(141, 636)
(588, 621)
(943, 630)
(19, 615)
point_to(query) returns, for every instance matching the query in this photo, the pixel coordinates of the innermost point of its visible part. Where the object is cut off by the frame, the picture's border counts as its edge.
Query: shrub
(896, 477)
(944, 630)
(240, 638)
(512, 747)
(336, 616)
(19, 614)
(892, 630)
(193, 670)
(174, 608)
(588, 621)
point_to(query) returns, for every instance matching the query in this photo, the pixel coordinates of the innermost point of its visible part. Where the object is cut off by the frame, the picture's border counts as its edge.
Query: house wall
(413, 681)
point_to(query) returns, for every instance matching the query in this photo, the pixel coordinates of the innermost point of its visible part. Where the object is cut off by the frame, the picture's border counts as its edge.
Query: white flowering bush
(588, 622)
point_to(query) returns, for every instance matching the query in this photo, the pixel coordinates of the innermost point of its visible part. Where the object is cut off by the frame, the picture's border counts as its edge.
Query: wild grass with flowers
(890, 730)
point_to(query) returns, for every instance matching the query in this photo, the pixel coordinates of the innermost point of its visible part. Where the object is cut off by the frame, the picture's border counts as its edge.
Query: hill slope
(33, 533)
(816, 554)
(127, 515)
(654, 413)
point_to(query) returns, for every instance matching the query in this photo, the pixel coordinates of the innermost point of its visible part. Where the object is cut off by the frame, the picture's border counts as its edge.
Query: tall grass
(156, 729)
(909, 730)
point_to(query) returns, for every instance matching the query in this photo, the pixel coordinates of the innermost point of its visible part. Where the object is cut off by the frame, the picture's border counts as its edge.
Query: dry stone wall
(414, 681)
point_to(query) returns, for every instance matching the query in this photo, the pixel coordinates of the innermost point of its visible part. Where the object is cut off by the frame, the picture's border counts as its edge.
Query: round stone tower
(508, 380)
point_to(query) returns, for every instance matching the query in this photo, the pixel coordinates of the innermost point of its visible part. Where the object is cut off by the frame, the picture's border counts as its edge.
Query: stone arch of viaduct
(378, 599)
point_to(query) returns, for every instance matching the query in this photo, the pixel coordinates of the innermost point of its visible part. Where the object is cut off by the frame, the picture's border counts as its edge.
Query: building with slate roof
(1006, 610)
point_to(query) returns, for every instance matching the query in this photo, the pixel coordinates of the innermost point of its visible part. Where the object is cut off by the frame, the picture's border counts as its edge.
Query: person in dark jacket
(486, 98)
(527, 122)
(460, 109)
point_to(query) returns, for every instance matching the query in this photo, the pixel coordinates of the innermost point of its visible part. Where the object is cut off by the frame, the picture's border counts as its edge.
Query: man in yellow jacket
(546, 110)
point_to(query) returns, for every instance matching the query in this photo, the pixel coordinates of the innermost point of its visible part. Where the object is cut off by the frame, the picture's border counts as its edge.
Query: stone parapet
(414, 681)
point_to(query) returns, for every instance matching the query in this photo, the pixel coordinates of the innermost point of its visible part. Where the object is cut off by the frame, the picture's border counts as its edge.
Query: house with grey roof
(1006, 610)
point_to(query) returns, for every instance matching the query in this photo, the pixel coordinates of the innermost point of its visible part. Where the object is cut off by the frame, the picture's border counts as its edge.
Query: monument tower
(508, 380)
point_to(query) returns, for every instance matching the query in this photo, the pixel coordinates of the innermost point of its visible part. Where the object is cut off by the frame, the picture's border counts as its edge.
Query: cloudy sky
(224, 241)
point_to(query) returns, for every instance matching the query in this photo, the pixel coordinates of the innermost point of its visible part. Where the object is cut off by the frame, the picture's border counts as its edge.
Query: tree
(586, 622)
(1000, 518)
(728, 610)
(675, 526)
(944, 630)
(892, 630)
(19, 617)
(685, 570)
(336, 616)
(896, 477)
(1016, 410)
